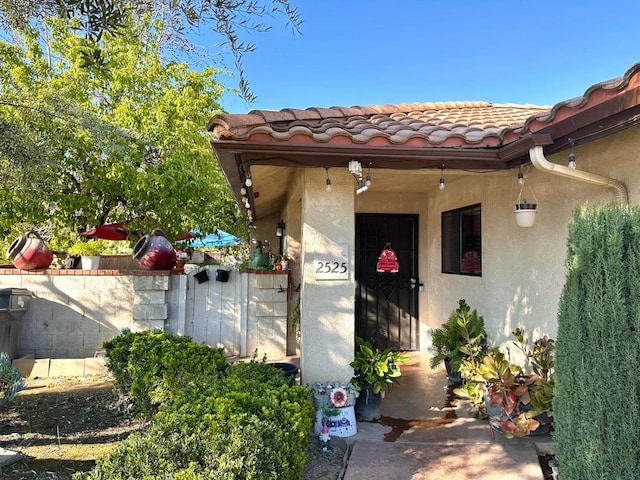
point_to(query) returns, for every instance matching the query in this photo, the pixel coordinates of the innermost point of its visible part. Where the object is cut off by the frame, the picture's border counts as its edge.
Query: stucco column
(327, 300)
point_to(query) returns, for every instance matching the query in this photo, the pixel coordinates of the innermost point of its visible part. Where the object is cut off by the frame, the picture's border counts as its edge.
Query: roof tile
(467, 123)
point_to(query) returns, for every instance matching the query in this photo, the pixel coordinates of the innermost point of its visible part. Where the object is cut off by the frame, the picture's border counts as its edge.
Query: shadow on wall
(51, 329)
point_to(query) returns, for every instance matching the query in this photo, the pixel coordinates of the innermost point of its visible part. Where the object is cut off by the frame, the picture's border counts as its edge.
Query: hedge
(151, 367)
(244, 421)
(597, 393)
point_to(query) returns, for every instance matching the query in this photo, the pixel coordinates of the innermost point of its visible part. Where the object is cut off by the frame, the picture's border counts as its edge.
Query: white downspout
(541, 163)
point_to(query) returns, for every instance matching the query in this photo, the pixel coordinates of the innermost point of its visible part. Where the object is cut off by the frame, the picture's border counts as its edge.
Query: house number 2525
(330, 267)
(332, 264)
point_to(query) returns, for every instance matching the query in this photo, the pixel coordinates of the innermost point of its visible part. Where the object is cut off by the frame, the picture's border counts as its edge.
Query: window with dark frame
(461, 241)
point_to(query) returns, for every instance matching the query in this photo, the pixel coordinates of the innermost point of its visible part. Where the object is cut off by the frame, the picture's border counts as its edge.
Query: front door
(387, 303)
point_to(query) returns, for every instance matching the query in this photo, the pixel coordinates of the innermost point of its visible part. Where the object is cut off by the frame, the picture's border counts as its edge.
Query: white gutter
(541, 163)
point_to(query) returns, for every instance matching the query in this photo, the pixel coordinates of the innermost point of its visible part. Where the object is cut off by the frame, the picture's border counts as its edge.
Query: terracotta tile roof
(439, 124)
(426, 124)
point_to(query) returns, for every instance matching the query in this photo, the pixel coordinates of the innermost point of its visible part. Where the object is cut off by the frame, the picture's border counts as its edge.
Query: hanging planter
(526, 214)
(525, 211)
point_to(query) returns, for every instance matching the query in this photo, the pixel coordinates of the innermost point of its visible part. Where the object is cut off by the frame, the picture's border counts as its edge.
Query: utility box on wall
(14, 302)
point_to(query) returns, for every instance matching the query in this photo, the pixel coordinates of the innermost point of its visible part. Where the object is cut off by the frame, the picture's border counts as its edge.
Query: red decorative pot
(29, 252)
(155, 252)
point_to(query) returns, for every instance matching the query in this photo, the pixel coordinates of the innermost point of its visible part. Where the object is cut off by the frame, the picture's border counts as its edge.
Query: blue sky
(356, 52)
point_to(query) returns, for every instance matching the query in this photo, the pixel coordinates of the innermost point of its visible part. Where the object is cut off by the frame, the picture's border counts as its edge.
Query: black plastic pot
(545, 427)
(202, 276)
(452, 375)
(368, 405)
(289, 369)
(222, 275)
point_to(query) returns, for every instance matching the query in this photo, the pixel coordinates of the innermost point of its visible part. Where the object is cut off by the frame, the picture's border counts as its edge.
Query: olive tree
(81, 146)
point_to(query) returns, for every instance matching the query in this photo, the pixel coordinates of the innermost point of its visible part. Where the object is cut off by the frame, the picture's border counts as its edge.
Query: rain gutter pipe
(541, 163)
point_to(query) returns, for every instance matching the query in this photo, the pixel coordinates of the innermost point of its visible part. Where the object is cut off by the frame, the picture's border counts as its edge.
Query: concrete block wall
(149, 302)
(73, 312)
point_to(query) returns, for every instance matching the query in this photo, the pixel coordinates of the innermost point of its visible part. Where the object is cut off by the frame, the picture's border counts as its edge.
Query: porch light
(520, 176)
(355, 168)
(328, 179)
(572, 157)
(441, 184)
(280, 228)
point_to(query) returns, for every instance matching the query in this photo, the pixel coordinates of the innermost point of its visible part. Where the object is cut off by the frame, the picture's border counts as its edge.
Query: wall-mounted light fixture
(328, 179)
(355, 168)
(572, 157)
(280, 234)
(441, 184)
(367, 181)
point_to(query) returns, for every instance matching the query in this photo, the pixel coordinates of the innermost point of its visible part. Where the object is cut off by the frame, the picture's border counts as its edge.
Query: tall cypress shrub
(597, 393)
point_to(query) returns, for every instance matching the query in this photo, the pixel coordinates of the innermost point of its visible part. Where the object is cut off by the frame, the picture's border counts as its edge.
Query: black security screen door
(387, 303)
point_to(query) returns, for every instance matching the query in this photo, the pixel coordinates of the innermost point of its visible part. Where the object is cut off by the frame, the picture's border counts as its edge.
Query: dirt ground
(62, 425)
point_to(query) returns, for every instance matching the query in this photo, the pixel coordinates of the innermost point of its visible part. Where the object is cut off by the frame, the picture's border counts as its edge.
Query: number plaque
(332, 264)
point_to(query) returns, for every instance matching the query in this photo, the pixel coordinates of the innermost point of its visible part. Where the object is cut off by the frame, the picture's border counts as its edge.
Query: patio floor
(426, 433)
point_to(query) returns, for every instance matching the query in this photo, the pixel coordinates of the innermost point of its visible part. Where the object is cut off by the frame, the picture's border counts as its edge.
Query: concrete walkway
(427, 434)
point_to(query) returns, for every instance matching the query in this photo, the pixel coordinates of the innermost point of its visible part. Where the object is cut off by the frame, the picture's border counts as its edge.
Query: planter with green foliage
(375, 371)
(89, 252)
(452, 343)
(517, 397)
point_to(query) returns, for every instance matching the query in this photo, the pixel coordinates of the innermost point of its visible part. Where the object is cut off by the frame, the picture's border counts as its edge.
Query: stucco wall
(327, 306)
(523, 268)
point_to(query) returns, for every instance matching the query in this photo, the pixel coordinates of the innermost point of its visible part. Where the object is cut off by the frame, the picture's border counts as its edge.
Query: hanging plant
(525, 210)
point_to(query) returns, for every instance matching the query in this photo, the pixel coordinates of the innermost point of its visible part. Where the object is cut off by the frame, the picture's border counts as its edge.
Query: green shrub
(10, 380)
(250, 424)
(152, 366)
(596, 403)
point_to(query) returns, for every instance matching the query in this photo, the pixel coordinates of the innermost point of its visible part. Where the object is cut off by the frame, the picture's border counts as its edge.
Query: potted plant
(454, 341)
(519, 398)
(526, 214)
(525, 210)
(335, 402)
(507, 390)
(375, 371)
(540, 358)
(89, 252)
